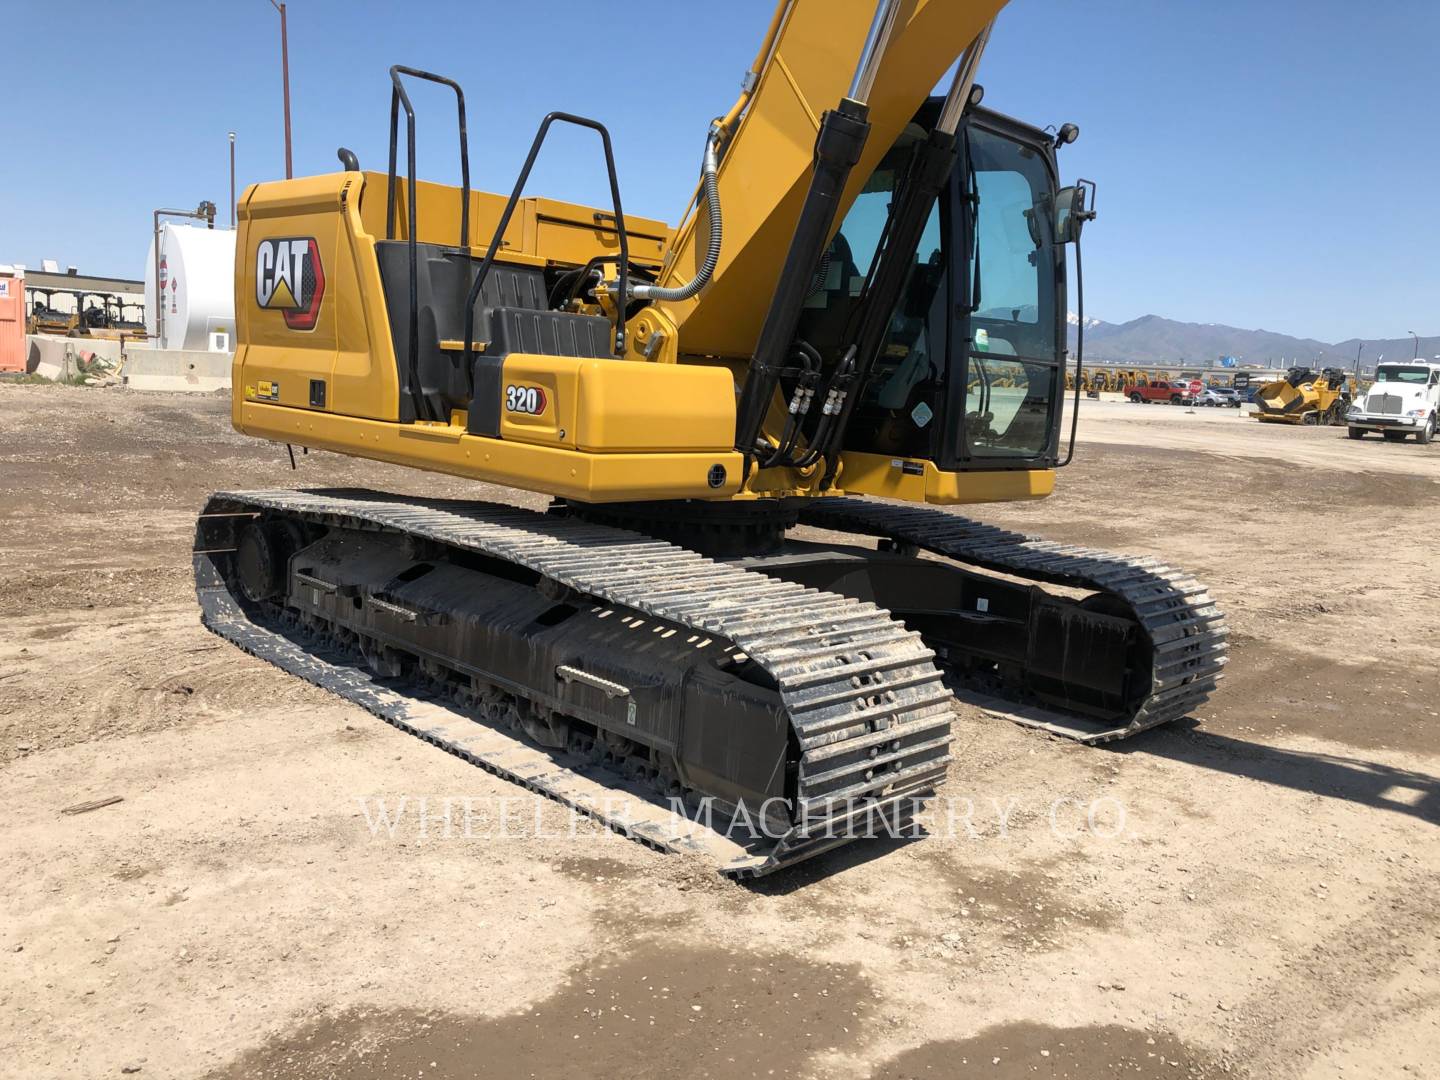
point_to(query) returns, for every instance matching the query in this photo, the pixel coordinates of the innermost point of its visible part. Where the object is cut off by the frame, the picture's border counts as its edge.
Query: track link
(869, 711)
(1185, 629)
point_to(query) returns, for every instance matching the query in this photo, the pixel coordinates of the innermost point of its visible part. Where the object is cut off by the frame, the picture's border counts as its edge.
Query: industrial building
(50, 278)
(56, 300)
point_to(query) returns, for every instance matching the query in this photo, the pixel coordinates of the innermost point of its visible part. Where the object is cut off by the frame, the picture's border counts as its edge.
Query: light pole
(285, 75)
(232, 179)
(1417, 343)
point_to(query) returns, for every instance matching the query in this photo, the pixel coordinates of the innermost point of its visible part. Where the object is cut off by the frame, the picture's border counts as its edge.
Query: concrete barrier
(139, 366)
(176, 369)
(54, 357)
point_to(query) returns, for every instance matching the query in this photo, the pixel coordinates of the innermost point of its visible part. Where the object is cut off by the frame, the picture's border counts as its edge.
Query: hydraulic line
(838, 145)
(762, 60)
(836, 396)
(646, 291)
(1079, 352)
(724, 128)
(1082, 215)
(810, 363)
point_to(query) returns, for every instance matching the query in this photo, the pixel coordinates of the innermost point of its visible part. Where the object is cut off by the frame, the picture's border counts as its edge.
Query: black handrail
(399, 97)
(622, 273)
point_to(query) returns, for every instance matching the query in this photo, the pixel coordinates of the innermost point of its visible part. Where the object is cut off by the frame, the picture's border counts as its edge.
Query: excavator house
(859, 321)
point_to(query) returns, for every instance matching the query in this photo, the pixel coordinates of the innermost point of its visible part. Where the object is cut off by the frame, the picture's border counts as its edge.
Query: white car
(1404, 399)
(1219, 397)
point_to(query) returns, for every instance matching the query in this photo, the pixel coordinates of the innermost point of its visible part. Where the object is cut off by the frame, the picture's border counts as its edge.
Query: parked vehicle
(1403, 399)
(1175, 393)
(1304, 396)
(1219, 397)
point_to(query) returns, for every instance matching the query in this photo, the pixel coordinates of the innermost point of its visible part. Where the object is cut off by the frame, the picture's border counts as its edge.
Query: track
(867, 709)
(1185, 629)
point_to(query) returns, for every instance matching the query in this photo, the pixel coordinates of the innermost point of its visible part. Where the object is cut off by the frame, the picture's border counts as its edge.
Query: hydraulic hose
(641, 290)
(1079, 352)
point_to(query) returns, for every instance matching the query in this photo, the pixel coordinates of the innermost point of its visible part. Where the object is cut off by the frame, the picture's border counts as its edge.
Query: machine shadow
(1355, 780)
(793, 879)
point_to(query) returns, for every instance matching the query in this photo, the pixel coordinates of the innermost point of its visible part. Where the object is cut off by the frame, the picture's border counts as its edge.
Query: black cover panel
(483, 417)
(443, 278)
(550, 333)
(511, 315)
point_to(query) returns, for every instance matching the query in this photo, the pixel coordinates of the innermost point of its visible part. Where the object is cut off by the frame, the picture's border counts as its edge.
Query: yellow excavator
(859, 320)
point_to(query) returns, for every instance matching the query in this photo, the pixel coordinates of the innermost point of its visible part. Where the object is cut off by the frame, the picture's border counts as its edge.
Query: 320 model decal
(525, 399)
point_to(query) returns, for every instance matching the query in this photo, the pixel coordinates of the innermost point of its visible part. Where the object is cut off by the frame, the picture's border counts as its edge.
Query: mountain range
(1158, 341)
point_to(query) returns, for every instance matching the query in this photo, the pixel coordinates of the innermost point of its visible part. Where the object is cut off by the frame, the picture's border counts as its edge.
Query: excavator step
(1184, 629)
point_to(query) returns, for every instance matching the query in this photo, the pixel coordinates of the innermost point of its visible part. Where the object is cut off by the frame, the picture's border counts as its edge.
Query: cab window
(1013, 367)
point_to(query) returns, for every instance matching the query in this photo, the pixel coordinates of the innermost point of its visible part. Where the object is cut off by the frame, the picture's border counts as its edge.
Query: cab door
(1010, 325)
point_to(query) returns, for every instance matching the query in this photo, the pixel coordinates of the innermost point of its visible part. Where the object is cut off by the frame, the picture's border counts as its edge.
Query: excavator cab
(970, 372)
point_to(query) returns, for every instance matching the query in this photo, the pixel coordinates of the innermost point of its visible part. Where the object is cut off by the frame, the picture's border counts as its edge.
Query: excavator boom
(805, 67)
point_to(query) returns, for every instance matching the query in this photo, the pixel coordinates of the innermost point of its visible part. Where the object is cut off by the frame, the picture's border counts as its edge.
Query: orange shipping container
(12, 319)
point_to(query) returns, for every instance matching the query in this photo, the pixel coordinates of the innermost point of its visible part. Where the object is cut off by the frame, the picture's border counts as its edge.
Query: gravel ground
(1251, 893)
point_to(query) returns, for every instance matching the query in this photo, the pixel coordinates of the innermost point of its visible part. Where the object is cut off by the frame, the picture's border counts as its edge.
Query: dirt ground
(1252, 893)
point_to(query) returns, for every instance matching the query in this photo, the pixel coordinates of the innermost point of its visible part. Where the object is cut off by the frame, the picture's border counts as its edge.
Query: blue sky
(1262, 164)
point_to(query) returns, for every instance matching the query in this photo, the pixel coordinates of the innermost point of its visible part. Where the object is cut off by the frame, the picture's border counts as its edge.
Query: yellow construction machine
(1304, 396)
(46, 319)
(882, 316)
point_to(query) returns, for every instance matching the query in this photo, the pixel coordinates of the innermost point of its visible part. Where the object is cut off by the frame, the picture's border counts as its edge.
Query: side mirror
(1071, 211)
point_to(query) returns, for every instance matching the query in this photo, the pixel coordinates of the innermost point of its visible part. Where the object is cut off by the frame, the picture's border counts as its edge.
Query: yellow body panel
(564, 232)
(350, 345)
(608, 429)
(630, 431)
(447, 448)
(613, 406)
(876, 474)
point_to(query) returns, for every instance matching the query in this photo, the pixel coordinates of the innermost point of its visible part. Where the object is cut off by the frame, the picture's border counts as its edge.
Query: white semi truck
(1404, 399)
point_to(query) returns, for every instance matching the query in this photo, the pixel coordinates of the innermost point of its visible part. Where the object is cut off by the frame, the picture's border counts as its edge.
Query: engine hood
(1411, 396)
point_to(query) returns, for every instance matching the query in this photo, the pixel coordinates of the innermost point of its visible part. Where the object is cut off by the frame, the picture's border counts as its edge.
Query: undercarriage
(761, 709)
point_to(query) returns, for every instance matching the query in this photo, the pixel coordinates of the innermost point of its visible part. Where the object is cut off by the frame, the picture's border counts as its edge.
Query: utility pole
(285, 75)
(232, 180)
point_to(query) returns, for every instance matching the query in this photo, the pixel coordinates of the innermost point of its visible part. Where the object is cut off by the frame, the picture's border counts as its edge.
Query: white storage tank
(197, 278)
